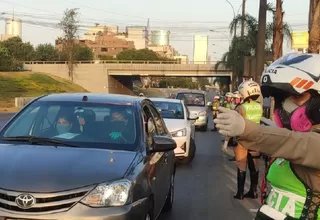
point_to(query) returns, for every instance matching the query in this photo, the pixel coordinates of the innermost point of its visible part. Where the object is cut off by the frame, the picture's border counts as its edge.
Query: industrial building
(13, 28)
(160, 38)
(200, 49)
(139, 35)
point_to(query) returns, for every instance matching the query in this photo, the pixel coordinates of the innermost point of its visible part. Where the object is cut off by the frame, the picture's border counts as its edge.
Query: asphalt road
(204, 189)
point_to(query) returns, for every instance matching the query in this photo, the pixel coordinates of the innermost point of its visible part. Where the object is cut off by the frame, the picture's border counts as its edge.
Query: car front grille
(44, 202)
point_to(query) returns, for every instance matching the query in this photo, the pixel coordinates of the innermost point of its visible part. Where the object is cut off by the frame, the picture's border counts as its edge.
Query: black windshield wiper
(38, 140)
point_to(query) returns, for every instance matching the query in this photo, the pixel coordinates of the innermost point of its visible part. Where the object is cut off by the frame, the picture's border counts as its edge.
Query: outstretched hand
(229, 122)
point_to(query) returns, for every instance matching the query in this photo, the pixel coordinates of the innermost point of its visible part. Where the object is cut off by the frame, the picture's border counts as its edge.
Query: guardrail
(123, 61)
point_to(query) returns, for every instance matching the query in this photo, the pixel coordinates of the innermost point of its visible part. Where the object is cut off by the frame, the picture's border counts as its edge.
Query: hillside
(28, 84)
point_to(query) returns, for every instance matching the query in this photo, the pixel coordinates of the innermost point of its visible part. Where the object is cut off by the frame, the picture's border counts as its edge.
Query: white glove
(229, 122)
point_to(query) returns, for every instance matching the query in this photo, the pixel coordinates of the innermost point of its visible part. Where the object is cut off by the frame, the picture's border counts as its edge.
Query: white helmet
(249, 88)
(237, 94)
(229, 94)
(216, 97)
(291, 74)
(141, 94)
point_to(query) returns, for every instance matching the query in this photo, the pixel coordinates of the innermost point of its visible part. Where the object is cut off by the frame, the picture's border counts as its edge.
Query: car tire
(192, 153)
(170, 198)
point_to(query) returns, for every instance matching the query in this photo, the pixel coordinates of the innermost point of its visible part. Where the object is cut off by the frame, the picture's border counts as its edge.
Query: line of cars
(92, 156)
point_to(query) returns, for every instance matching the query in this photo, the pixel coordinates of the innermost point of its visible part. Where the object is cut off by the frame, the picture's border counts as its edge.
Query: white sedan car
(176, 117)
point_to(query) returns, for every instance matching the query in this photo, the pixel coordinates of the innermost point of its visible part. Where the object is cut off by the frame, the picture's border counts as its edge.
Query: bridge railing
(123, 62)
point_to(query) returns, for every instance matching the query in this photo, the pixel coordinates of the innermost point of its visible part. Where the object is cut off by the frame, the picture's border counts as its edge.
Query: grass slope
(28, 84)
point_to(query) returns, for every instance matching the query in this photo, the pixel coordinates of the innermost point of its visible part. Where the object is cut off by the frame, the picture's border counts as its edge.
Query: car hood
(32, 168)
(174, 124)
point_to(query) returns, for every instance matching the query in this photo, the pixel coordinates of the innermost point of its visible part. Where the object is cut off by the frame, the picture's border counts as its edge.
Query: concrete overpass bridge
(117, 76)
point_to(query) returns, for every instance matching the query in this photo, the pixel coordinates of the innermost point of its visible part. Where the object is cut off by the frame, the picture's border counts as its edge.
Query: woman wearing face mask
(294, 176)
(63, 124)
(252, 110)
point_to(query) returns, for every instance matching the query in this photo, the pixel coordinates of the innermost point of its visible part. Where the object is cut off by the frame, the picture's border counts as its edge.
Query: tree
(19, 50)
(203, 81)
(240, 47)
(46, 52)
(70, 27)
(83, 53)
(223, 83)
(314, 26)
(278, 31)
(142, 54)
(6, 63)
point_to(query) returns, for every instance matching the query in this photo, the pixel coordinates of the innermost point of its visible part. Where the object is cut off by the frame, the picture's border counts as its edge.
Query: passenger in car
(120, 128)
(64, 124)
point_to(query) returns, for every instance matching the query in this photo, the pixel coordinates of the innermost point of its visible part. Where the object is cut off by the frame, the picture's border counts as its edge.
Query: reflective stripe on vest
(288, 193)
(272, 213)
(253, 111)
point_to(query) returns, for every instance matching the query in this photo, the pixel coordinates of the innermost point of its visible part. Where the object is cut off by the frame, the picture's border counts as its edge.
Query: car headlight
(109, 194)
(203, 113)
(180, 133)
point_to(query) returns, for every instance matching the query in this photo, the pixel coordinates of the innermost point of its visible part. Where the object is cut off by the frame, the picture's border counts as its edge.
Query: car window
(170, 110)
(22, 127)
(88, 125)
(150, 126)
(158, 121)
(192, 99)
(50, 117)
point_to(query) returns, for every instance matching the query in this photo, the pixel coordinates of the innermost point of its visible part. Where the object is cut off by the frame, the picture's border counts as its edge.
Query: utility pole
(243, 16)
(260, 51)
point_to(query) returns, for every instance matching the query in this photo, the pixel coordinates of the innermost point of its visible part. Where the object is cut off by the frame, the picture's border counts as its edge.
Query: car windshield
(192, 99)
(87, 125)
(170, 109)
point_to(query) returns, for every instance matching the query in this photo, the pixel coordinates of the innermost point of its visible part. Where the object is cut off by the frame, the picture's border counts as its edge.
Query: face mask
(292, 117)
(63, 128)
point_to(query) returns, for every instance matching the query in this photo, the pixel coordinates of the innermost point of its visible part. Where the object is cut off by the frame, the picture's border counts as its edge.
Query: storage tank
(13, 27)
(160, 37)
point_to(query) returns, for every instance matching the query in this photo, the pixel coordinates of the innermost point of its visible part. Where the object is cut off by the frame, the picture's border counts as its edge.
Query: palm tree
(240, 47)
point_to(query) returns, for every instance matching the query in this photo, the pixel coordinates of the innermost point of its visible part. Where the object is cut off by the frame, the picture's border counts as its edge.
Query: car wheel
(170, 197)
(192, 153)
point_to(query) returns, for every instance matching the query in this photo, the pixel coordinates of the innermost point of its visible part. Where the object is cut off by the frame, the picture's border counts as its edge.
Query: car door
(155, 161)
(166, 158)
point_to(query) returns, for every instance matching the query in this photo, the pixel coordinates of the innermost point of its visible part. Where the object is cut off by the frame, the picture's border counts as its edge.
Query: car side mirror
(193, 118)
(162, 144)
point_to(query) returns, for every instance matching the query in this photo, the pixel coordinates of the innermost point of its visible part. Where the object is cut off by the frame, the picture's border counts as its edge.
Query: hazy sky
(183, 18)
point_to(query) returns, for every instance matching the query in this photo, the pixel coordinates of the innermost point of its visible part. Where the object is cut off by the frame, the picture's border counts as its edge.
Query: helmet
(291, 74)
(229, 94)
(249, 89)
(141, 94)
(236, 94)
(216, 97)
